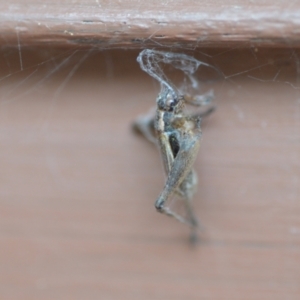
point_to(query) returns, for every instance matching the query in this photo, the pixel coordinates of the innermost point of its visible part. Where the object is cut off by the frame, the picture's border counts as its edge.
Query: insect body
(177, 135)
(178, 139)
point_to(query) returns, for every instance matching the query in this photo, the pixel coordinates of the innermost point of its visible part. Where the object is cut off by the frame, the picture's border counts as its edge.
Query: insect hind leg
(188, 189)
(167, 211)
(145, 125)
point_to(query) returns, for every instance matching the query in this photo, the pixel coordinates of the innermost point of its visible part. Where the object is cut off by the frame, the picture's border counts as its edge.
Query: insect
(176, 133)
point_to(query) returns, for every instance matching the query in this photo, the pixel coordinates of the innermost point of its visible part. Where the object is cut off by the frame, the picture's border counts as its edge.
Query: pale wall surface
(77, 186)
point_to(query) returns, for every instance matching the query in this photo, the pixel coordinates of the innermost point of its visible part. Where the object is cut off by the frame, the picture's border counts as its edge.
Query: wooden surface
(77, 186)
(156, 23)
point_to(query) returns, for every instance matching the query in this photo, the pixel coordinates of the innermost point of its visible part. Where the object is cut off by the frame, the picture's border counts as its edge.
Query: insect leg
(199, 100)
(181, 167)
(197, 118)
(145, 126)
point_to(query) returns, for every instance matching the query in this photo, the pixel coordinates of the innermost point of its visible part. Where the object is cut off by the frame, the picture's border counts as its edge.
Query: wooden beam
(139, 24)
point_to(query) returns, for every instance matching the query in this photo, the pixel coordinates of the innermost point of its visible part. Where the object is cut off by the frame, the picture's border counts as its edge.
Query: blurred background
(77, 185)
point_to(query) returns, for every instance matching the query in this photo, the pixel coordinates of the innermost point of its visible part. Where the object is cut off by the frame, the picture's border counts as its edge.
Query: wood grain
(140, 24)
(77, 186)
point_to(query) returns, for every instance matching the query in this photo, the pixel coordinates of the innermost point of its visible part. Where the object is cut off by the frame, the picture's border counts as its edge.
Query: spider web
(28, 75)
(65, 152)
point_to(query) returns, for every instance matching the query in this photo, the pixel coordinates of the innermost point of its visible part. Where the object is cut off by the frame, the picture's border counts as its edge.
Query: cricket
(176, 132)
